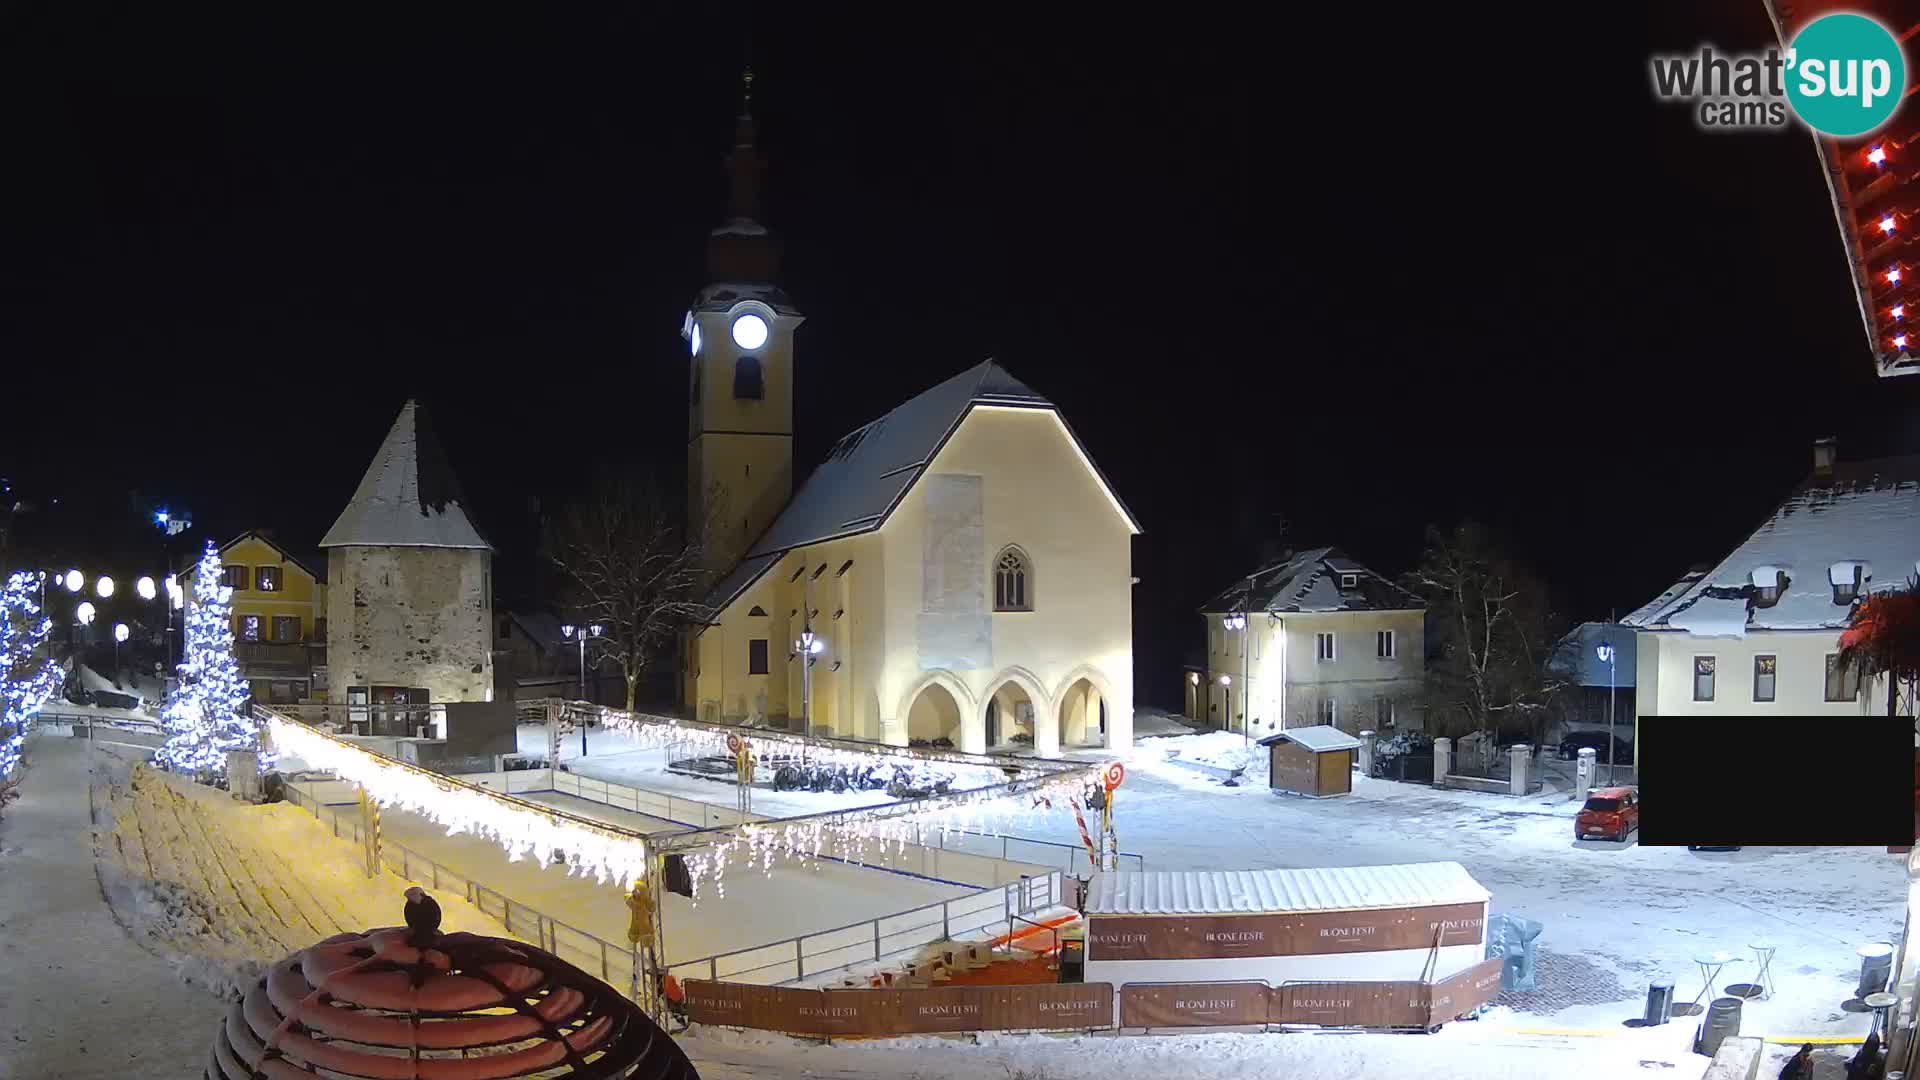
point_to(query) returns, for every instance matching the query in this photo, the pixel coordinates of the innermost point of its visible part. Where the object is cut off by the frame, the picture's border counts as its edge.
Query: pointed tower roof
(409, 497)
(742, 250)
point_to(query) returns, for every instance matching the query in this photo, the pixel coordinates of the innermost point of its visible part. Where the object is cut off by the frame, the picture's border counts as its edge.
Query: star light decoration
(609, 855)
(27, 680)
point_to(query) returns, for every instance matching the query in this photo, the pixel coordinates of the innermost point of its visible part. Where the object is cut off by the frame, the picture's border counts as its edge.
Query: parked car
(1596, 741)
(1610, 814)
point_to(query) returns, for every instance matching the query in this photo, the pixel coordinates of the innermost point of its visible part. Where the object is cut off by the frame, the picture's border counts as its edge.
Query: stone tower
(409, 581)
(740, 334)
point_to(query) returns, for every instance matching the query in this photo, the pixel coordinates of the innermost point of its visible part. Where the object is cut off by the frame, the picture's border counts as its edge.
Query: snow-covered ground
(1468, 1051)
(1616, 917)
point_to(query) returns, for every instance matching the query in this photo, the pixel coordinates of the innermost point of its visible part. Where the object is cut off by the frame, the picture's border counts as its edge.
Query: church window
(746, 378)
(757, 656)
(844, 567)
(1012, 581)
(759, 611)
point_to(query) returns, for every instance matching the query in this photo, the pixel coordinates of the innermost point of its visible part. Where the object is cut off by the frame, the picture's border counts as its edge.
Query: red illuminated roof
(1876, 200)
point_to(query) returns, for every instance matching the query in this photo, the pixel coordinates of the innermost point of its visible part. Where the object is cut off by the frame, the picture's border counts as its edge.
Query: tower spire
(741, 249)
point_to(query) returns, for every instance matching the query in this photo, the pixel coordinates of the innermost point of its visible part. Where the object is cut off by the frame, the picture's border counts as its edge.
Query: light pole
(809, 646)
(119, 635)
(581, 634)
(1605, 652)
(1239, 623)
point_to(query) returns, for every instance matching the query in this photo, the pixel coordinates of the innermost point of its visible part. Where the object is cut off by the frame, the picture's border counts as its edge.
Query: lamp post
(119, 635)
(1239, 623)
(1606, 654)
(580, 634)
(808, 647)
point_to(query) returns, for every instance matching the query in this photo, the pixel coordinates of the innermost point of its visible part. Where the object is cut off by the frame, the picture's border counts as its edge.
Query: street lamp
(119, 635)
(581, 634)
(84, 613)
(74, 580)
(146, 588)
(809, 646)
(1605, 653)
(105, 587)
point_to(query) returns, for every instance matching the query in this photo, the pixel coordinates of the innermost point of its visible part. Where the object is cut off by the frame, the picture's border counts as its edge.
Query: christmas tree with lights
(206, 714)
(27, 678)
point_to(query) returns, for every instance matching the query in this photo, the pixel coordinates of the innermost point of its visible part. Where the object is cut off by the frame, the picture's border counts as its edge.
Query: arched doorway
(1011, 716)
(1083, 715)
(933, 717)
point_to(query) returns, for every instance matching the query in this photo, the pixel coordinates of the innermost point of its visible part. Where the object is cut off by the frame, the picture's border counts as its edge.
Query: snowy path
(78, 999)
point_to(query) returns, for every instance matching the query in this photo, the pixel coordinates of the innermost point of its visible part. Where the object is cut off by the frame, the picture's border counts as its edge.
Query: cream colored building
(1757, 634)
(963, 567)
(1315, 639)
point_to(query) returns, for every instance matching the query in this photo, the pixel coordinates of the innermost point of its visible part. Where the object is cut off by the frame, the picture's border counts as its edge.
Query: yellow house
(956, 572)
(279, 618)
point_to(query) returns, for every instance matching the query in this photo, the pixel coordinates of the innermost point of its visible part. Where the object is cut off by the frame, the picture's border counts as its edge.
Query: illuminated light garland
(604, 853)
(26, 680)
(856, 836)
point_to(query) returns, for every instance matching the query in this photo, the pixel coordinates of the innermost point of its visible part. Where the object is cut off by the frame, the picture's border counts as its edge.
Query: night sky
(1359, 274)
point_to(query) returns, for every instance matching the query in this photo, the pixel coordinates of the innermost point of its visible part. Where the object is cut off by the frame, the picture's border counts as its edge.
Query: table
(1710, 965)
(1880, 1003)
(1762, 985)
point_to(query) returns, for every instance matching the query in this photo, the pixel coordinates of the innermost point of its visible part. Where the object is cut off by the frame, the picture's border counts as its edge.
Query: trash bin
(1876, 967)
(1659, 1003)
(1723, 1020)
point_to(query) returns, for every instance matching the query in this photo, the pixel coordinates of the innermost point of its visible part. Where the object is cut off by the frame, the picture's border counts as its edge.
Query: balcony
(279, 659)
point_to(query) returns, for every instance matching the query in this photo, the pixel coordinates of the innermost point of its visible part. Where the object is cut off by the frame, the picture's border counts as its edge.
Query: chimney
(1824, 452)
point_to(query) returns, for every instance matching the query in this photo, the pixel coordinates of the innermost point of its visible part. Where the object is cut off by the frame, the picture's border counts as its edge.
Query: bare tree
(628, 562)
(1491, 635)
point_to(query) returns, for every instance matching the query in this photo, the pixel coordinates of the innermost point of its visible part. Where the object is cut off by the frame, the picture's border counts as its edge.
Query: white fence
(988, 913)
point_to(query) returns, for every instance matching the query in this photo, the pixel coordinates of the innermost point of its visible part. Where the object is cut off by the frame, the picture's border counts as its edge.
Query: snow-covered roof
(1318, 738)
(1340, 888)
(722, 295)
(408, 498)
(1638, 616)
(1310, 581)
(871, 469)
(1866, 513)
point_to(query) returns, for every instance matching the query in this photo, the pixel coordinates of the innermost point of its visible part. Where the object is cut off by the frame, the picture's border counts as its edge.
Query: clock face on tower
(749, 332)
(694, 338)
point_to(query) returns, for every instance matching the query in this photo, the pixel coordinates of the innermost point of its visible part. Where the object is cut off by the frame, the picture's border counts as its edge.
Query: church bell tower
(740, 337)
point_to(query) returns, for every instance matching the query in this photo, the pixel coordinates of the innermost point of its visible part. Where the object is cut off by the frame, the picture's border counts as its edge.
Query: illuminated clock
(750, 332)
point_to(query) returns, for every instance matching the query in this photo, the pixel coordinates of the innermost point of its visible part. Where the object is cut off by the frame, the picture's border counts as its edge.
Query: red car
(1610, 814)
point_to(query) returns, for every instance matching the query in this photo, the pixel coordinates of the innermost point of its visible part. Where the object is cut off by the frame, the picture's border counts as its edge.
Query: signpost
(1111, 777)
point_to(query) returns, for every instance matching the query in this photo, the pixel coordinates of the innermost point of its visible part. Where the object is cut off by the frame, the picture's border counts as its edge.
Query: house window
(1383, 711)
(1703, 678)
(1383, 644)
(1843, 683)
(286, 628)
(233, 577)
(757, 656)
(1330, 712)
(1846, 583)
(1768, 594)
(1323, 646)
(266, 578)
(1348, 581)
(747, 383)
(1763, 678)
(1012, 581)
(250, 627)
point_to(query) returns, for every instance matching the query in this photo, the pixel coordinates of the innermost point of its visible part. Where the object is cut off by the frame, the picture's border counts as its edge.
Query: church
(958, 572)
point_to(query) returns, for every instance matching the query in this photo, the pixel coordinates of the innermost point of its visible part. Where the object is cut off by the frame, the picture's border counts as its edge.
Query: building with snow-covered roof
(1316, 638)
(961, 566)
(1759, 632)
(409, 581)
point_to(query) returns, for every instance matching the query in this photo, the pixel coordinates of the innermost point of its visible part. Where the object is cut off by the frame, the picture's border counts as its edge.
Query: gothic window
(746, 378)
(1012, 581)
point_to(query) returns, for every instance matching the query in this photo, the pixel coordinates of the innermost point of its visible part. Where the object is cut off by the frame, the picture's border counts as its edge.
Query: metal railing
(383, 721)
(875, 940)
(572, 944)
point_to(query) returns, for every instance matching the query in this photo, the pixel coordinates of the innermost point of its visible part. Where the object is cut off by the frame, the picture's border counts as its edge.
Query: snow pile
(165, 917)
(1203, 760)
